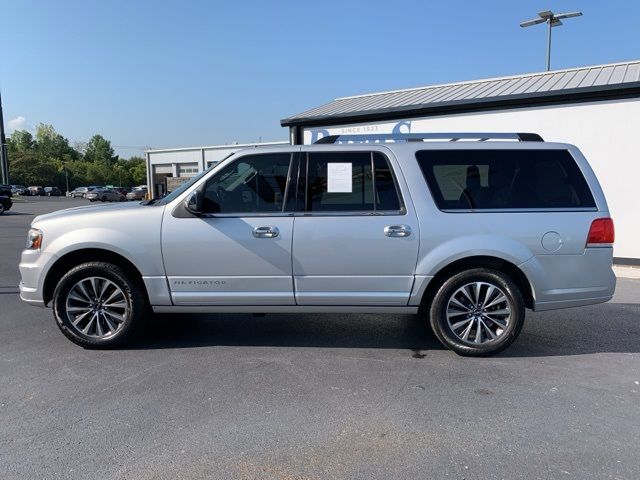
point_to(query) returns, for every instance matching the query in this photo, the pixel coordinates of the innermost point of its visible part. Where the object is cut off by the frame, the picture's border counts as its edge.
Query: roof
(574, 84)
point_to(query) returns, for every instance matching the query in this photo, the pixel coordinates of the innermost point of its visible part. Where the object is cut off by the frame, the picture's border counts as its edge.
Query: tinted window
(344, 182)
(503, 179)
(252, 184)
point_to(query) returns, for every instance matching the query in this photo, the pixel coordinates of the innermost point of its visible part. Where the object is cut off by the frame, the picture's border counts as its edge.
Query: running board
(281, 309)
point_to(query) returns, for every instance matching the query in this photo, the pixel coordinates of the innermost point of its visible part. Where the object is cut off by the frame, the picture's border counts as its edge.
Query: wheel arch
(77, 257)
(480, 261)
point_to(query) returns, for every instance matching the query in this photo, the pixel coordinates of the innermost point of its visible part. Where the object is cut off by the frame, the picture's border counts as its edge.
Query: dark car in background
(122, 190)
(36, 191)
(6, 191)
(104, 195)
(137, 193)
(52, 191)
(5, 204)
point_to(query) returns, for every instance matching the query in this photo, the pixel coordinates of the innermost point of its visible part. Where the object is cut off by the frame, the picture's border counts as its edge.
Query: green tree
(51, 144)
(138, 170)
(20, 141)
(28, 168)
(100, 151)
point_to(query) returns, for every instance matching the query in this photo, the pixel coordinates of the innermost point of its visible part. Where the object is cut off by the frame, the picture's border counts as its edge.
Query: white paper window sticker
(339, 179)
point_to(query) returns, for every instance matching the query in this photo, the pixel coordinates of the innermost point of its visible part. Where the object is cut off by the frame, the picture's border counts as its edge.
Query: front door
(239, 251)
(356, 243)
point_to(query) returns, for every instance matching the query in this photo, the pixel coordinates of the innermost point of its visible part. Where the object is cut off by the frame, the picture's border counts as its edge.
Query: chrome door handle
(397, 230)
(266, 232)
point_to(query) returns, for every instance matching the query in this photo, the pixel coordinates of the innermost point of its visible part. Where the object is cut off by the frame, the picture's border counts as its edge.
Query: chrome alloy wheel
(97, 307)
(478, 312)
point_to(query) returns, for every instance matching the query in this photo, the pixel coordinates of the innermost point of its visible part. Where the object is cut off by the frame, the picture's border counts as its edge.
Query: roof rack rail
(421, 137)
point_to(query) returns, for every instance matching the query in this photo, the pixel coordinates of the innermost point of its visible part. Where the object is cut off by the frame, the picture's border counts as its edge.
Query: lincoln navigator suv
(465, 230)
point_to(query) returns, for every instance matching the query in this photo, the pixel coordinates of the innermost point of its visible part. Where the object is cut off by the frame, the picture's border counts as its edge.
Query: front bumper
(33, 267)
(31, 295)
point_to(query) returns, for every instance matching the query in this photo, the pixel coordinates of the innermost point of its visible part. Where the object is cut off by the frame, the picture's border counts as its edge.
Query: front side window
(504, 179)
(252, 184)
(350, 182)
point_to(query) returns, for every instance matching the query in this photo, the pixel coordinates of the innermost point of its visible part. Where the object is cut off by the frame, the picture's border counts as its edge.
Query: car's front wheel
(98, 305)
(477, 312)
(1, 208)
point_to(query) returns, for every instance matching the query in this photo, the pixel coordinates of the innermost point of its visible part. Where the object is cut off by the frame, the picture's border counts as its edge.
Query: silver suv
(465, 233)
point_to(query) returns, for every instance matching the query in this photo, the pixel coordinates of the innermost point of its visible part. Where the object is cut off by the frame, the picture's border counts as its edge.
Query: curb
(626, 272)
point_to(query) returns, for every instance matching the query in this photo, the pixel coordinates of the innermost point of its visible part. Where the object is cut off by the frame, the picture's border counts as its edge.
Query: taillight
(601, 232)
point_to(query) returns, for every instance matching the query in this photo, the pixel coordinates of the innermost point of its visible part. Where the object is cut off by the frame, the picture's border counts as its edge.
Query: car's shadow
(612, 327)
(288, 330)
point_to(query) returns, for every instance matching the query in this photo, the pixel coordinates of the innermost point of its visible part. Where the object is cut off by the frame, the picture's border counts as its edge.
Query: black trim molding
(633, 262)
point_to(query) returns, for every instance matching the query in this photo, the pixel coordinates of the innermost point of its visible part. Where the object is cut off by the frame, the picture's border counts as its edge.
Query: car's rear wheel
(477, 312)
(1, 208)
(98, 305)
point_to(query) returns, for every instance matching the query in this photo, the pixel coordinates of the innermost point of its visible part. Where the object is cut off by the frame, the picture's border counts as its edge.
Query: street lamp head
(550, 17)
(552, 20)
(535, 21)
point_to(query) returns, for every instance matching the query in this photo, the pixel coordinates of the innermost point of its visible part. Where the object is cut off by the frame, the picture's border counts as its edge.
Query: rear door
(356, 240)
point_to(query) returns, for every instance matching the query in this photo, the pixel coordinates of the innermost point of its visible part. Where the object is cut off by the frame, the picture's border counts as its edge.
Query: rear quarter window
(504, 179)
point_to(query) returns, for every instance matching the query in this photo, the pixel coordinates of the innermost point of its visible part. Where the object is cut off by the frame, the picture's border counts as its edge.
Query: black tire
(1, 208)
(103, 199)
(133, 317)
(504, 337)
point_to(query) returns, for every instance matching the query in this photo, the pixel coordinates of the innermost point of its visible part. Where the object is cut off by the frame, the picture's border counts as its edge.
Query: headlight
(34, 239)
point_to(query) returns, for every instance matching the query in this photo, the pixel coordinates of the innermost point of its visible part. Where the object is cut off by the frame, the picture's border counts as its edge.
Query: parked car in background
(6, 191)
(5, 204)
(137, 193)
(122, 190)
(18, 189)
(78, 192)
(36, 191)
(52, 191)
(104, 195)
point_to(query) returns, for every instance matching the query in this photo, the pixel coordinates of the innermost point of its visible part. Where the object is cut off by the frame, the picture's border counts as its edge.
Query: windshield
(184, 187)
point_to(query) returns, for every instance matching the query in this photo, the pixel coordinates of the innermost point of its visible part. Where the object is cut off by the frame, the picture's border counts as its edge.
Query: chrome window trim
(363, 213)
(275, 213)
(517, 210)
(355, 213)
(247, 215)
(369, 213)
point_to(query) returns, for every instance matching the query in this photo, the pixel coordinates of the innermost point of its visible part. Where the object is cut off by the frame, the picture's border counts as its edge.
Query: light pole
(552, 20)
(4, 161)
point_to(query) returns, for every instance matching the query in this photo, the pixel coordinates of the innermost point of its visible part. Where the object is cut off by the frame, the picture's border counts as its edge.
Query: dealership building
(597, 108)
(184, 163)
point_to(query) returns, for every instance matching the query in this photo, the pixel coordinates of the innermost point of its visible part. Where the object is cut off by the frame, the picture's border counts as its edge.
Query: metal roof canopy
(616, 80)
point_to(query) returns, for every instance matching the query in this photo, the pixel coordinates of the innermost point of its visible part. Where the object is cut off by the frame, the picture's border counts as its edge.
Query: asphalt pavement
(315, 396)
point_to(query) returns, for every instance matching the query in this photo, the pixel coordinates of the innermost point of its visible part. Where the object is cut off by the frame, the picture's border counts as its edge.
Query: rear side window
(504, 179)
(350, 182)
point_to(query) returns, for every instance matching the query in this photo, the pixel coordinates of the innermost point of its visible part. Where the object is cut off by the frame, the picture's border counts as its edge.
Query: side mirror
(193, 203)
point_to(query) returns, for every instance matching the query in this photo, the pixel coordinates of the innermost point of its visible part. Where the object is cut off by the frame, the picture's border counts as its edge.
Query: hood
(89, 210)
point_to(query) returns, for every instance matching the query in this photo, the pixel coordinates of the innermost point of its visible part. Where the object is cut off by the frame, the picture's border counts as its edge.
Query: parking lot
(315, 396)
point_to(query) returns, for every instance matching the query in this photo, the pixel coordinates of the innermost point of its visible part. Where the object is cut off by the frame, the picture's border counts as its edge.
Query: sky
(190, 73)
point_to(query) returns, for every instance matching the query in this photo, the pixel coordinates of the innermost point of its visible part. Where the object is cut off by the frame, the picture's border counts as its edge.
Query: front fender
(143, 251)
